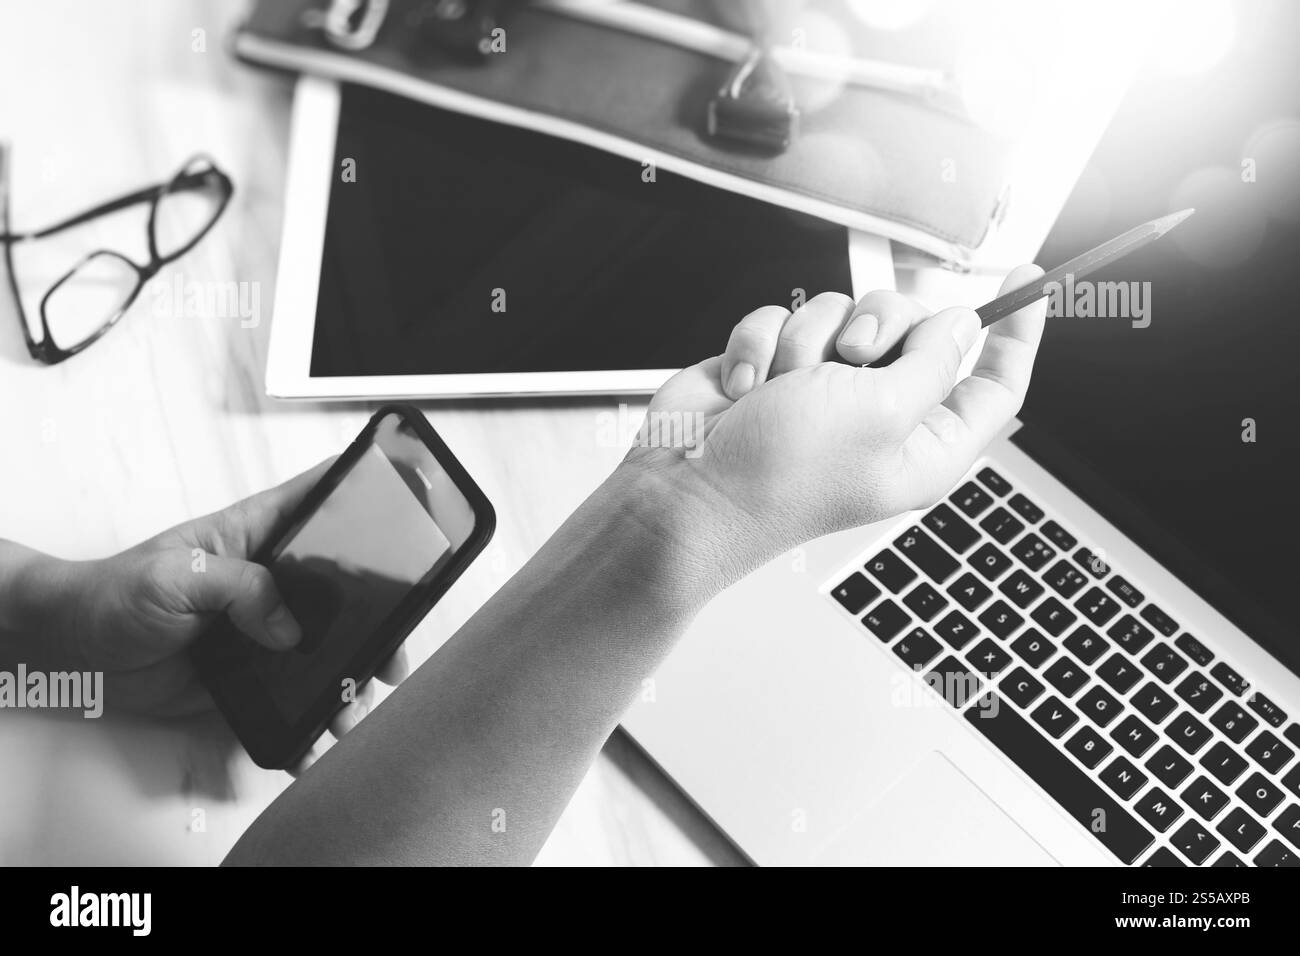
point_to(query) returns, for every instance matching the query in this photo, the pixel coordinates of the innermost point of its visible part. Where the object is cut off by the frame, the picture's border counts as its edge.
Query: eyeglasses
(92, 296)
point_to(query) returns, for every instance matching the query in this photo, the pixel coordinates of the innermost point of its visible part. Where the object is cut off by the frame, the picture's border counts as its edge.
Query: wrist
(39, 597)
(699, 540)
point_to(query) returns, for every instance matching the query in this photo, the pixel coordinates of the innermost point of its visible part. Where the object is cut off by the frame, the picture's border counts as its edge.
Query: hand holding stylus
(796, 444)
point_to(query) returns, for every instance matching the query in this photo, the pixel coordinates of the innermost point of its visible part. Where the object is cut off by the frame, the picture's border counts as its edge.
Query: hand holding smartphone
(389, 528)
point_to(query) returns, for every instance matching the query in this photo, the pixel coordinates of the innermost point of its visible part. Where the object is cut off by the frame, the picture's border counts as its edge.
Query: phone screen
(393, 522)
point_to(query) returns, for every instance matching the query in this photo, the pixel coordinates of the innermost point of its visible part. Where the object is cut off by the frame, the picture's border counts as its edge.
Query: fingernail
(282, 627)
(741, 380)
(966, 331)
(860, 332)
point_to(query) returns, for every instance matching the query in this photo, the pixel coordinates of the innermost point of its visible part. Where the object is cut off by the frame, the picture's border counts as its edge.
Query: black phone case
(277, 745)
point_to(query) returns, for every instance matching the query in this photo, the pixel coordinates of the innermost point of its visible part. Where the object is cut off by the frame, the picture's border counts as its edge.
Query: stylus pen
(1081, 265)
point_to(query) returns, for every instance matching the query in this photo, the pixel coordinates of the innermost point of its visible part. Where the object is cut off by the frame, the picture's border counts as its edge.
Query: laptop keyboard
(1160, 749)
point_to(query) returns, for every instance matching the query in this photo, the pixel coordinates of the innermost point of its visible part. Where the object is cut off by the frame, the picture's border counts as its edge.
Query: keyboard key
(923, 551)
(1169, 766)
(1071, 787)
(1054, 717)
(855, 592)
(1152, 702)
(1131, 634)
(1275, 854)
(1224, 763)
(1064, 579)
(971, 499)
(1233, 722)
(1229, 678)
(1165, 662)
(1053, 616)
(1292, 780)
(1269, 752)
(1092, 563)
(1033, 552)
(1124, 778)
(1125, 591)
(889, 569)
(1119, 673)
(1099, 707)
(956, 630)
(990, 562)
(1194, 649)
(1021, 687)
(1097, 606)
(1021, 588)
(1002, 526)
(1292, 733)
(1134, 736)
(1086, 644)
(1158, 809)
(886, 620)
(954, 681)
(1198, 692)
(1163, 857)
(1228, 858)
(917, 648)
(988, 658)
(969, 591)
(1205, 798)
(1033, 648)
(1288, 824)
(925, 602)
(1188, 732)
(1089, 747)
(1260, 794)
(999, 618)
(1026, 508)
(1066, 676)
(1273, 715)
(994, 482)
(1058, 536)
(1161, 621)
(1242, 830)
(1194, 842)
(951, 529)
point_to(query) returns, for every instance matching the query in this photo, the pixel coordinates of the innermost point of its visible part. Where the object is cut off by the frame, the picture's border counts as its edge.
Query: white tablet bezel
(313, 133)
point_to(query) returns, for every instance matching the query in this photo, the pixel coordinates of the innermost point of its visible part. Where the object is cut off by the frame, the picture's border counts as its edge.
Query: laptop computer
(1110, 588)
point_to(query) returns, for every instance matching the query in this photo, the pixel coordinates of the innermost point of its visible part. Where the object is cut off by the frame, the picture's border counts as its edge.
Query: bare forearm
(474, 758)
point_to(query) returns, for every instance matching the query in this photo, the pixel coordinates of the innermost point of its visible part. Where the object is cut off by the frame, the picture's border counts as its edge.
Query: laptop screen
(1184, 411)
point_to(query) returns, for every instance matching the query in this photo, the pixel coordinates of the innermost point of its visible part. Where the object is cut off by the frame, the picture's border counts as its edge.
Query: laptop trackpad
(935, 816)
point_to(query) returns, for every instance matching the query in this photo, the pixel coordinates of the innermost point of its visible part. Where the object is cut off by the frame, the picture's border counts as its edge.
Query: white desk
(165, 419)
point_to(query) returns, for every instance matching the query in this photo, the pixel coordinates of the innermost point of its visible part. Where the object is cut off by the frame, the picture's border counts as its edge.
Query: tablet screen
(456, 245)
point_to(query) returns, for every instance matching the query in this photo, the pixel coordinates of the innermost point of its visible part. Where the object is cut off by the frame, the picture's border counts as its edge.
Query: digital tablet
(430, 253)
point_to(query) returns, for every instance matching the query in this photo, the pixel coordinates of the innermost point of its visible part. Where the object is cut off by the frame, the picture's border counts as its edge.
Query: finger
(926, 371)
(808, 336)
(353, 711)
(954, 434)
(246, 592)
(396, 669)
(310, 757)
(880, 319)
(750, 350)
(995, 390)
(259, 516)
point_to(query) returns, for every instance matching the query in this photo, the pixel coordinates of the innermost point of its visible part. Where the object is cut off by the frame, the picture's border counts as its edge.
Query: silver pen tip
(1165, 223)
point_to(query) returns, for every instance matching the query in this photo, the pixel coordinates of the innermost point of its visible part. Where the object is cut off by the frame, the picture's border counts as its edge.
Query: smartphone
(359, 563)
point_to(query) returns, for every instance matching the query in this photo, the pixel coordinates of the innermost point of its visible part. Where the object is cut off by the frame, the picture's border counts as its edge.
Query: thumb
(246, 592)
(932, 356)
